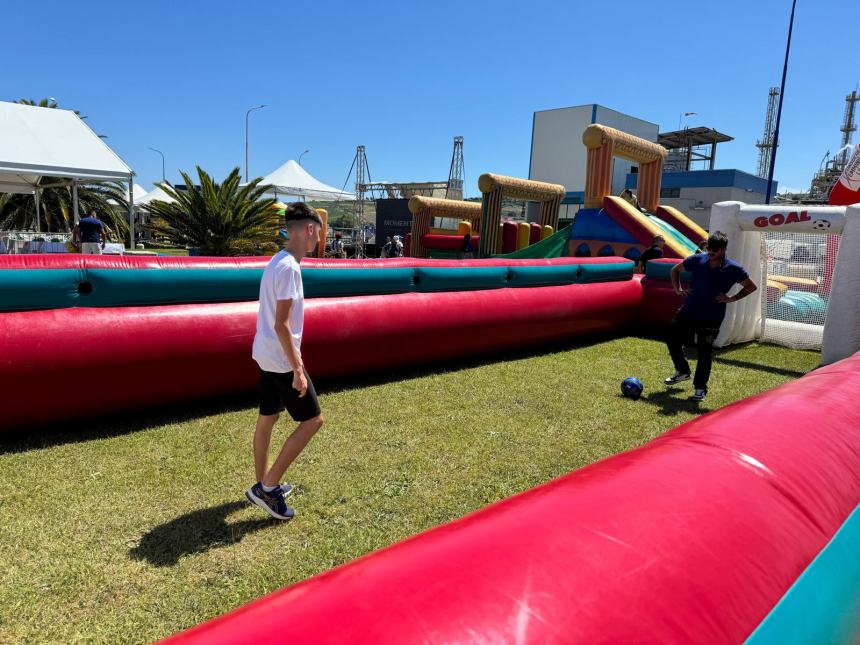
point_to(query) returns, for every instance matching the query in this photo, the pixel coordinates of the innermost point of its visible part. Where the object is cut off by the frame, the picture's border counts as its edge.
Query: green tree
(219, 219)
(56, 210)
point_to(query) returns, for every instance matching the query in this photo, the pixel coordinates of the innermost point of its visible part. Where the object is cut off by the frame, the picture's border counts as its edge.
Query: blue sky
(403, 78)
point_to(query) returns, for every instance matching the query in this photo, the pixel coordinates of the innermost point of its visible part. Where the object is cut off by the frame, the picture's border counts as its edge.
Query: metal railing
(33, 242)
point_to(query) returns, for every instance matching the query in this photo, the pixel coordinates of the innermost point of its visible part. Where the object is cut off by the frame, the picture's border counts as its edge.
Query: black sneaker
(677, 377)
(271, 502)
(699, 395)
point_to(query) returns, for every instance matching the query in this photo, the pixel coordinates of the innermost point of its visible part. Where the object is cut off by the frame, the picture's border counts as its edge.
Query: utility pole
(247, 114)
(779, 109)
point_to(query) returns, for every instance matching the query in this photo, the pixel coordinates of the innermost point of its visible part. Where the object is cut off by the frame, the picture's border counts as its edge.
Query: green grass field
(128, 530)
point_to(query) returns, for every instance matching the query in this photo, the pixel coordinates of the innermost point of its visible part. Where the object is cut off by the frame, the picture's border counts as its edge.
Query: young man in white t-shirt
(284, 382)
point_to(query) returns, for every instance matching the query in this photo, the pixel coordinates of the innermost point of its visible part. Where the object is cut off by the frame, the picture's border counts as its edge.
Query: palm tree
(109, 199)
(218, 219)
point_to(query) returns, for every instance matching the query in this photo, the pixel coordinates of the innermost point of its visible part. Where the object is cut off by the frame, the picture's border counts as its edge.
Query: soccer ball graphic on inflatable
(821, 225)
(632, 387)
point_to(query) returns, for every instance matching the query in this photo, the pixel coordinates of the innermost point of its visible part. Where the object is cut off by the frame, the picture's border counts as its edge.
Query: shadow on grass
(770, 369)
(46, 436)
(673, 401)
(195, 532)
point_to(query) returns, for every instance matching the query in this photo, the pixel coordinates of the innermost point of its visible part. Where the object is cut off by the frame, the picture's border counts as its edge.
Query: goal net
(798, 271)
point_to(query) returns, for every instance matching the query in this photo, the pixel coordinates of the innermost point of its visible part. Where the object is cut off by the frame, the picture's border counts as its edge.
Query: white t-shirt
(282, 280)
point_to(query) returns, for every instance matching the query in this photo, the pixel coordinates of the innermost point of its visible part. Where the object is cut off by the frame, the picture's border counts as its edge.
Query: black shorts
(277, 394)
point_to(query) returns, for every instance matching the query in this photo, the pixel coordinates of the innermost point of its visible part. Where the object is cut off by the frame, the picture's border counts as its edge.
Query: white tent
(291, 180)
(152, 195)
(138, 192)
(47, 147)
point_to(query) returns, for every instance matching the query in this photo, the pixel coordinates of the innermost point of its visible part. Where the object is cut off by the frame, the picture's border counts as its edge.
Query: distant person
(284, 382)
(628, 196)
(386, 248)
(653, 253)
(394, 248)
(704, 308)
(337, 247)
(468, 247)
(89, 232)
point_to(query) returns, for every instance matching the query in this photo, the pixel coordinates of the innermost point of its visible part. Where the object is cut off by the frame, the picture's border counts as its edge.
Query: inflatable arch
(424, 209)
(494, 187)
(603, 143)
(744, 225)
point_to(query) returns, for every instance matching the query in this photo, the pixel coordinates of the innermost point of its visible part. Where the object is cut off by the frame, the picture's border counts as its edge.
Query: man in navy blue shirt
(90, 232)
(713, 275)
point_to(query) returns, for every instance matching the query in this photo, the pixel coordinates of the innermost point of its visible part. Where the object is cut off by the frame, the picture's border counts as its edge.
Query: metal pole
(75, 207)
(247, 114)
(162, 162)
(302, 155)
(36, 198)
(131, 211)
(779, 108)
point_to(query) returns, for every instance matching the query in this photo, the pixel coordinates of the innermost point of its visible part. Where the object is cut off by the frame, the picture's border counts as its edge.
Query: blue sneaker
(286, 488)
(273, 502)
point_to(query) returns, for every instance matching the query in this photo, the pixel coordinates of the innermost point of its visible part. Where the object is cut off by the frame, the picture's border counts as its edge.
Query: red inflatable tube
(149, 356)
(660, 303)
(408, 263)
(692, 538)
(75, 261)
(446, 242)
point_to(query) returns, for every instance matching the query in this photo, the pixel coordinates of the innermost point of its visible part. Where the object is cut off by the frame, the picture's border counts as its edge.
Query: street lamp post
(779, 107)
(683, 115)
(247, 114)
(162, 162)
(302, 155)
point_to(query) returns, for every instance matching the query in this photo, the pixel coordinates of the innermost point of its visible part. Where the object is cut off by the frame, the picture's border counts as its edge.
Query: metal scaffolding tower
(456, 173)
(848, 126)
(362, 171)
(765, 144)
(823, 181)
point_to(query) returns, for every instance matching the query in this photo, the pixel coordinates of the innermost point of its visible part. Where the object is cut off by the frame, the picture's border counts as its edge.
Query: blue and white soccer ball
(632, 387)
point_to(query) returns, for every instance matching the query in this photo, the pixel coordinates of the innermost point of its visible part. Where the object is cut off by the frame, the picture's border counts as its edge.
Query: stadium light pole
(247, 114)
(779, 108)
(302, 155)
(162, 163)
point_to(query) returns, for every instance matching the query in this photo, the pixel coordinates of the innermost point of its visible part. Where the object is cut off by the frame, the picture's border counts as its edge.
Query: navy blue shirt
(91, 228)
(707, 284)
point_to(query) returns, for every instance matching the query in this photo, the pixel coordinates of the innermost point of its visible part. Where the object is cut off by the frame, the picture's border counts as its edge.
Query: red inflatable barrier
(692, 538)
(446, 242)
(74, 261)
(77, 261)
(660, 303)
(149, 356)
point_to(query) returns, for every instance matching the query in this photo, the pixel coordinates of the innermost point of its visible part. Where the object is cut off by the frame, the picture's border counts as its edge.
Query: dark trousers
(680, 331)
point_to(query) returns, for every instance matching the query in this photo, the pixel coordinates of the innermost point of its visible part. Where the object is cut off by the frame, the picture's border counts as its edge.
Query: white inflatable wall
(842, 326)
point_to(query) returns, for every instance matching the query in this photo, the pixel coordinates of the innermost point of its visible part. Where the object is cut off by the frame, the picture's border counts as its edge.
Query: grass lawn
(170, 251)
(129, 530)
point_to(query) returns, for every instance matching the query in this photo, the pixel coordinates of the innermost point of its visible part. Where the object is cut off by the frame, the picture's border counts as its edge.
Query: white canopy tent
(46, 147)
(155, 194)
(291, 180)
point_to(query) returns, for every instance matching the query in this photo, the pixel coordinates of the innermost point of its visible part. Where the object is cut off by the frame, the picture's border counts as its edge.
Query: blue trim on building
(574, 197)
(532, 148)
(728, 177)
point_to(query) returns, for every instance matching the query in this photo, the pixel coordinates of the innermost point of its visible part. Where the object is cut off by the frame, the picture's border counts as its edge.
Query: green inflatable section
(27, 289)
(674, 233)
(556, 245)
(329, 283)
(31, 289)
(661, 271)
(455, 279)
(823, 605)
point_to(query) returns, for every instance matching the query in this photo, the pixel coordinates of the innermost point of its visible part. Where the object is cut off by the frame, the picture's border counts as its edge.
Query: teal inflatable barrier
(605, 272)
(545, 276)
(121, 287)
(330, 283)
(456, 279)
(661, 271)
(27, 289)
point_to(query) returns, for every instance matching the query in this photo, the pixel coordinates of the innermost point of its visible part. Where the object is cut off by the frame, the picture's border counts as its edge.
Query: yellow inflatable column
(323, 213)
(523, 235)
(547, 231)
(464, 228)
